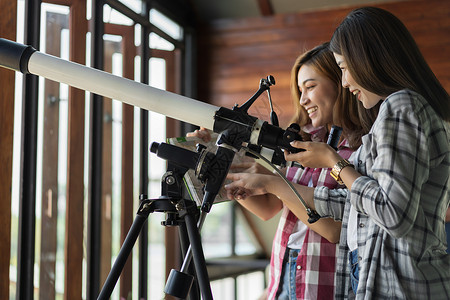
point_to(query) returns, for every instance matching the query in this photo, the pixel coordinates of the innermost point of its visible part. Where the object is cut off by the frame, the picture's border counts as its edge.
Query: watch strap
(337, 168)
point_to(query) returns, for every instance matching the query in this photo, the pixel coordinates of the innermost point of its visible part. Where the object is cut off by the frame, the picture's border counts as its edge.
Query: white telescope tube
(125, 90)
(25, 59)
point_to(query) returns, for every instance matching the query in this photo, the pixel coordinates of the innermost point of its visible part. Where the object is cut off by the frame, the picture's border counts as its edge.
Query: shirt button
(359, 258)
(359, 162)
(361, 225)
(299, 267)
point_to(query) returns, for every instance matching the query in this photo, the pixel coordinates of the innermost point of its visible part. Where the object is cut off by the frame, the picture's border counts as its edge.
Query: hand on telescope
(245, 185)
(250, 166)
(201, 133)
(316, 155)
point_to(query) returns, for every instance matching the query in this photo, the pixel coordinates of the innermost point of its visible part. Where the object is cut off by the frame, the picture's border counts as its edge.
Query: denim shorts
(286, 290)
(354, 269)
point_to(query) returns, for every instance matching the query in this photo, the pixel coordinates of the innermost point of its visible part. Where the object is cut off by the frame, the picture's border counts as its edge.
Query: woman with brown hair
(303, 254)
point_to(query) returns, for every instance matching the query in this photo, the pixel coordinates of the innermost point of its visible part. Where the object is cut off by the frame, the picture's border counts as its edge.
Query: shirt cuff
(361, 188)
(330, 202)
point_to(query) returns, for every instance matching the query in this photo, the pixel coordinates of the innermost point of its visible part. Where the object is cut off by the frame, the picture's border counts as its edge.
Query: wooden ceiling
(209, 10)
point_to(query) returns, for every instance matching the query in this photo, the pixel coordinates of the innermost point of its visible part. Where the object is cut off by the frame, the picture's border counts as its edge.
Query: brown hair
(383, 58)
(346, 113)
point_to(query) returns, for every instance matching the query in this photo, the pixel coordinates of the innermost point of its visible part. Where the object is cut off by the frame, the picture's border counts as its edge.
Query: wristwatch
(336, 171)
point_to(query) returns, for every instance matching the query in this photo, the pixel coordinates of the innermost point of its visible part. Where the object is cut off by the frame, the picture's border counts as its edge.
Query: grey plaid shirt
(401, 202)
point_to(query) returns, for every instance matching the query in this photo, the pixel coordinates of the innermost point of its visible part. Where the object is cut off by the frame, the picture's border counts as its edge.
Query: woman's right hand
(201, 133)
(316, 155)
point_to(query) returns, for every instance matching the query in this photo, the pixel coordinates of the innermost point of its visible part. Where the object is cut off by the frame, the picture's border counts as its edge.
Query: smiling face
(367, 98)
(318, 95)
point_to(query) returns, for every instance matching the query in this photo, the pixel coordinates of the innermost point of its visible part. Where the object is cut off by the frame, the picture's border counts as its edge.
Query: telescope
(237, 129)
(235, 126)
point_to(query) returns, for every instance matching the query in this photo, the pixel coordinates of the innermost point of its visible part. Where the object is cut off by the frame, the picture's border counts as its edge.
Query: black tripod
(179, 212)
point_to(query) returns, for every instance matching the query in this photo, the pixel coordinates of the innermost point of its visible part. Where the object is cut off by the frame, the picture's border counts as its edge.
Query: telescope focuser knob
(200, 147)
(291, 133)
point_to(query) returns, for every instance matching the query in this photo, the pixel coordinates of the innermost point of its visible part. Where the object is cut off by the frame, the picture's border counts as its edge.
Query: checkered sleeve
(391, 192)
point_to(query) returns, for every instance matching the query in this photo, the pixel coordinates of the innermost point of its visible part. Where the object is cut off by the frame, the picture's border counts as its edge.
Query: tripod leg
(122, 257)
(199, 257)
(194, 293)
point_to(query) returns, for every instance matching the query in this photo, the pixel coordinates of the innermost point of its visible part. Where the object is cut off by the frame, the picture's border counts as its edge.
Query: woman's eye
(310, 87)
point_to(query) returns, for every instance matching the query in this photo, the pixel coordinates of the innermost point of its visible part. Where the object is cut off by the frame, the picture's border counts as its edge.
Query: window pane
(51, 172)
(157, 167)
(157, 42)
(113, 16)
(135, 5)
(216, 231)
(166, 24)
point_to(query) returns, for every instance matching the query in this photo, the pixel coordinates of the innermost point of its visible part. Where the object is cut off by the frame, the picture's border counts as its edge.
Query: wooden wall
(235, 54)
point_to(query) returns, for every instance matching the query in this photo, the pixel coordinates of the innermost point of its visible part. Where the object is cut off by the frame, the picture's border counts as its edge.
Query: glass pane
(51, 176)
(157, 42)
(216, 231)
(112, 168)
(223, 289)
(166, 24)
(135, 5)
(157, 167)
(15, 180)
(245, 239)
(250, 286)
(113, 16)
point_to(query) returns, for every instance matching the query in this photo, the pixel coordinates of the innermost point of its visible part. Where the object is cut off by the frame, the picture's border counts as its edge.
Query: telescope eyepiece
(271, 80)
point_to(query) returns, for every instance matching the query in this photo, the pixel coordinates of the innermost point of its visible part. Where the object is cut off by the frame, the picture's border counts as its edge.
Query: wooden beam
(127, 210)
(73, 249)
(172, 242)
(7, 30)
(265, 7)
(49, 212)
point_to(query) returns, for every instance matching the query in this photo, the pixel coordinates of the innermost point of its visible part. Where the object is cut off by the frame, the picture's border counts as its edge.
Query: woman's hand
(251, 167)
(316, 155)
(246, 185)
(201, 133)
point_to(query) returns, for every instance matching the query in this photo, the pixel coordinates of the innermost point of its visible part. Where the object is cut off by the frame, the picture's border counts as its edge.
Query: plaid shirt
(317, 258)
(401, 201)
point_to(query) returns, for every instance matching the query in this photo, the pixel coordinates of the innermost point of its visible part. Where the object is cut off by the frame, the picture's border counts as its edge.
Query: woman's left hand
(251, 167)
(244, 185)
(316, 155)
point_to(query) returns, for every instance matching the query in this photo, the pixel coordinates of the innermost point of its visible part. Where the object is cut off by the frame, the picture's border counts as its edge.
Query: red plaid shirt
(317, 258)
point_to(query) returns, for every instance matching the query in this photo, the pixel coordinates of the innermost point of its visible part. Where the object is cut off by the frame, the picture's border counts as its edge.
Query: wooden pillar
(73, 256)
(7, 31)
(127, 200)
(49, 212)
(172, 243)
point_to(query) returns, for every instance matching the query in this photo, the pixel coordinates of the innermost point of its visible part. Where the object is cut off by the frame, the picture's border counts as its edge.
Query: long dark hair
(382, 57)
(347, 110)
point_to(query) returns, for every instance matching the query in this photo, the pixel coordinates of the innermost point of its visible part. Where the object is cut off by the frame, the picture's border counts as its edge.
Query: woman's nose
(344, 82)
(303, 99)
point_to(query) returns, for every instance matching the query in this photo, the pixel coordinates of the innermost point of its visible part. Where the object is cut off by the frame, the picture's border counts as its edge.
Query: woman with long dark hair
(393, 242)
